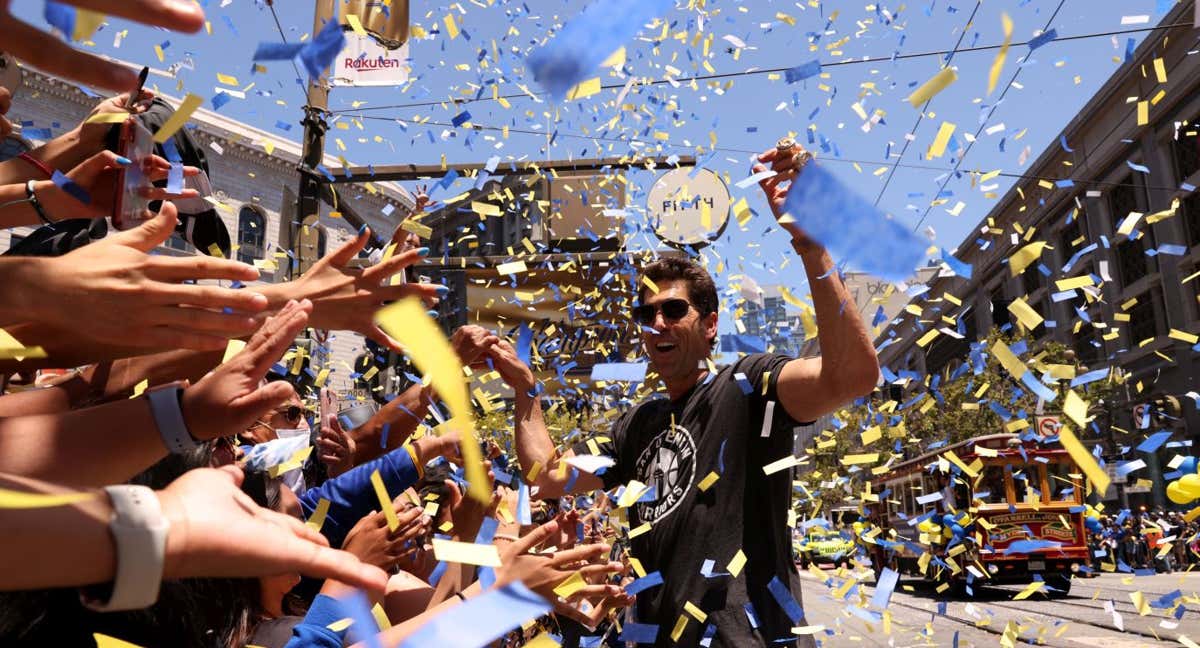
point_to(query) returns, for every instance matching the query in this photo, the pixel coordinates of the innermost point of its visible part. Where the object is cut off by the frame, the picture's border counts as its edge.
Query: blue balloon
(1188, 465)
(947, 519)
(957, 530)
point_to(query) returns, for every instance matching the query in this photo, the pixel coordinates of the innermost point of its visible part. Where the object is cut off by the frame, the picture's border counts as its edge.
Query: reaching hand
(92, 135)
(217, 531)
(98, 176)
(543, 572)
(422, 200)
(52, 55)
(787, 166)
(335, 448)
(113, 292)
(372, 543)
(512, 369)
(471, 343)
(232, 396)
(345, 299)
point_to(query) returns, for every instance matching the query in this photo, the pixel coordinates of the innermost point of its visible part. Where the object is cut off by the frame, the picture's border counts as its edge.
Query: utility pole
(315, 109)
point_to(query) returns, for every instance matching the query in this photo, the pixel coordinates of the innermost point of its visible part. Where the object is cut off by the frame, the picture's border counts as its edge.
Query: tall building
(1103, 205)
(254, 178)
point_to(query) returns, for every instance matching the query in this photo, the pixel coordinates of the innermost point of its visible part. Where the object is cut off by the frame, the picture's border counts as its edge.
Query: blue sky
(1054, 82)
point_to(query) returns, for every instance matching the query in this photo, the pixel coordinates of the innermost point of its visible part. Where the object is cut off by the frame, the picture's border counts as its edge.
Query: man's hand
(52, 55)
(113, 292)
(431, 446)
(232, 397)
(471, 342)
(217, 531)
(345, 299)
(512, 370)
(372, 543)
(787, 165)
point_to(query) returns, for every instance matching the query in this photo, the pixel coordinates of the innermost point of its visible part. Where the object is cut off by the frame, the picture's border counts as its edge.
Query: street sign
(689, 206)
(1048, 425)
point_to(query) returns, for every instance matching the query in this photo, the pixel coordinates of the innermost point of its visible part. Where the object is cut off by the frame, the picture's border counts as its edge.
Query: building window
(1129, 196)
(1146, 317)
(1088, 348)
(1191, 218)
(1185, 152)
(12, 146)
(1031, 279)
(252, 234)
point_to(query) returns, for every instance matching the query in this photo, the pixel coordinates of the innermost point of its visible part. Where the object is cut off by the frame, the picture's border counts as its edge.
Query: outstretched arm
(534, 447)
(847, 367)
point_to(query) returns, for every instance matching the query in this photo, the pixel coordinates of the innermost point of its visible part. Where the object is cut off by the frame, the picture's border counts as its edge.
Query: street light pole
(315, 109)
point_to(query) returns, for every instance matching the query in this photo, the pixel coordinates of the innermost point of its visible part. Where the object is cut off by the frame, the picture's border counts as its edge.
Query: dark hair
(193, 613)
(702, 292)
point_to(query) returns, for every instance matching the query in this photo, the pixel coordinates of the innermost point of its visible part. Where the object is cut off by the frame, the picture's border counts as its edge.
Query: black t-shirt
(718, 428)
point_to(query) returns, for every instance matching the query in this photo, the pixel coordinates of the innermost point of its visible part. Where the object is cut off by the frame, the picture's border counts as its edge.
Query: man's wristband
(139, 532)
(168, 416)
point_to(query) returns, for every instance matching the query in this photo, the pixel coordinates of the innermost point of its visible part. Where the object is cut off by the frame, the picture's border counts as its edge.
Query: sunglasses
(293, 413)
(672, 309)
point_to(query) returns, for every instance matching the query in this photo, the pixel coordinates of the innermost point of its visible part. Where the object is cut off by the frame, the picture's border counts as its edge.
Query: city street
(1098, 612)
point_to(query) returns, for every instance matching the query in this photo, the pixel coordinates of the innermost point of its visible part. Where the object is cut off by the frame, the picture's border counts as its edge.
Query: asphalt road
(1099, 612)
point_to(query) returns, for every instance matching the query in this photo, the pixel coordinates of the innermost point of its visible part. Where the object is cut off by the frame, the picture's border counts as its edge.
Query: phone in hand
(136, 144)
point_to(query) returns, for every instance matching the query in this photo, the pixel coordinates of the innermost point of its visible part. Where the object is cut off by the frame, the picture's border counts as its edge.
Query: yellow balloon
(1190, 485)
(1176, 494)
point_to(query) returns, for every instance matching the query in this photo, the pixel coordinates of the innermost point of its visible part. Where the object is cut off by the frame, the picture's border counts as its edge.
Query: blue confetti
(785, 600)
(461, 118)
(68, 185)
(277, 51)
(1042, 39)
(852, 229)
(801, 72)
(589, 38)
(481, 619)
(319, 53)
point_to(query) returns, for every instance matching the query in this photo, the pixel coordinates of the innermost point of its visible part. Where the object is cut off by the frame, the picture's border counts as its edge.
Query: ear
(709, 326)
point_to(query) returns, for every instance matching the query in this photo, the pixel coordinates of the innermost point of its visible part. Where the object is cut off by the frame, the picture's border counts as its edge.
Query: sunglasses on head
(672, 309)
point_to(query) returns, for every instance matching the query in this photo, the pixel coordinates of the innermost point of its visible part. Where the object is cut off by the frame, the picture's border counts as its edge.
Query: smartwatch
(168, 416)
(139, 532)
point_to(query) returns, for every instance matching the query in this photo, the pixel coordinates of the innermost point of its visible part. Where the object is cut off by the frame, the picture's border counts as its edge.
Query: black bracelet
(460, 596)
(37, 205)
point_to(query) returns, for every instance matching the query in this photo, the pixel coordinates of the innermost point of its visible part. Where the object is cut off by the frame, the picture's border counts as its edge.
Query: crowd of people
(178, 486)
(1137, 540)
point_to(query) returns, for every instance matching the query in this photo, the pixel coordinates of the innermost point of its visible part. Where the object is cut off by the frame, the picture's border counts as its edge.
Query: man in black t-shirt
(701, 451)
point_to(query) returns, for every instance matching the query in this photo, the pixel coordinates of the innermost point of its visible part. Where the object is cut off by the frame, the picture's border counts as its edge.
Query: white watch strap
(164, 405)
(139, 532)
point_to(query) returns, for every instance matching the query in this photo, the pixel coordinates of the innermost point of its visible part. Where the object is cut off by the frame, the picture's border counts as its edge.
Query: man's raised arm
(848, 367)
(534, 447)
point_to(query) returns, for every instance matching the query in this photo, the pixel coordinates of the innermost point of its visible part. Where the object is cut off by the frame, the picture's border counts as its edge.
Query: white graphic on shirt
(668, 466)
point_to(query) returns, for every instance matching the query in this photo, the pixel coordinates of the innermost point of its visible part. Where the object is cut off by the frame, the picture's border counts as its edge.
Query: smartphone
(136, 144)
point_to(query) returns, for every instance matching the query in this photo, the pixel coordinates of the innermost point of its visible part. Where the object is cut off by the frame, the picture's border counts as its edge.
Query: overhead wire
(753, 72)
(921, 114)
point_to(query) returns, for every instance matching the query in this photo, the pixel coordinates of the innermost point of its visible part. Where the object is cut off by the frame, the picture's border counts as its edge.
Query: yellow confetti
(737, 563)
(317, 519)
(706, 483)
(385, 501)
(451, 26)
(105, 641)
(998, 62)
(938, 148)
(572, 584)
(468, 553)
(407, 322)
(227, 80)
(512, 267)
(1085, 460)
(1025, 314)
(356, 24)
(177, 119)
(1029, 590)
(1025, 257)
(11, 499)
(933, 86)
(584, 89)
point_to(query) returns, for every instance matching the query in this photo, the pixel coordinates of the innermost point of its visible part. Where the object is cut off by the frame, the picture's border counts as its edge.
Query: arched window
(252, 234)
(12, 146)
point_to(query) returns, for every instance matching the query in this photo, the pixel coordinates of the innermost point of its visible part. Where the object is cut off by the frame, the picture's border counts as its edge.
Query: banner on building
(376, 52)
